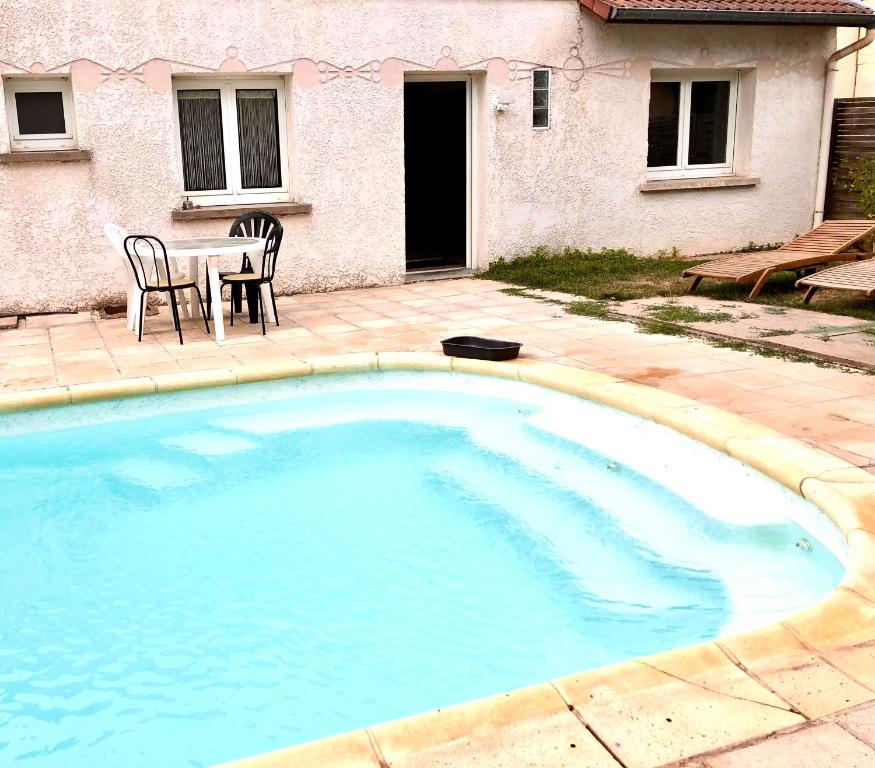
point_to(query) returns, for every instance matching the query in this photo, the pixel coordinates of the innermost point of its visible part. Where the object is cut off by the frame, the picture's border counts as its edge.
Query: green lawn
(620, 275)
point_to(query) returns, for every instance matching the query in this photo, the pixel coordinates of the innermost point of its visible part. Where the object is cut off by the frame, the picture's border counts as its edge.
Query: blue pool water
(194, 578)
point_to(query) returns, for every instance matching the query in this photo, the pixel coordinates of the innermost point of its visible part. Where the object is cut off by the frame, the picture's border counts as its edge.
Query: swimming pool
(204, 576)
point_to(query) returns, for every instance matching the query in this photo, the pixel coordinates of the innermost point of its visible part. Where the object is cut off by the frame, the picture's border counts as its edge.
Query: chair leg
(183, 305)
(237, 298)
(141, 316)
(209, 301)
(173, 316)
(809, 294)
(695, 284)
(203, 311)
(760, 284)
(232, 306)
(261, 307)
(252, 301)
(131, 306)
(176, 315)
(276, 316)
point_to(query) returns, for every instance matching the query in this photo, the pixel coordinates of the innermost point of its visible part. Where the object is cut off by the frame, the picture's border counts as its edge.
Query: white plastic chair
(116, 235)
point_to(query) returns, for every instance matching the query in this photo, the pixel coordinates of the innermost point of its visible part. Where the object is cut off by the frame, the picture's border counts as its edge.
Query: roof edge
(599, 8)
(613, 14)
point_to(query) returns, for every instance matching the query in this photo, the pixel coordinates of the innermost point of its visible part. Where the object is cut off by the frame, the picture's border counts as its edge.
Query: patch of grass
(776, 332)
(753, 247)
(677, 313)
(597, 309)
(870, 330)
(529, 295)
(774, 352)
(619, 275)
(602, 275)
(736, 344)
(662, 327)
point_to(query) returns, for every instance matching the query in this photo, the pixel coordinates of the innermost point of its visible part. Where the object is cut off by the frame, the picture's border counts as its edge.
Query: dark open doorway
(436, 173)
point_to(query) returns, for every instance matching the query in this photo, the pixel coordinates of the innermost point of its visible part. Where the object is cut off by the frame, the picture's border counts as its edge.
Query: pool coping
(641, 713)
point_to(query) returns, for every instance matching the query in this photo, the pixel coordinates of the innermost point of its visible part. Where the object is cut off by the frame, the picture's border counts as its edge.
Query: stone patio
(829, 408)
(788, 695)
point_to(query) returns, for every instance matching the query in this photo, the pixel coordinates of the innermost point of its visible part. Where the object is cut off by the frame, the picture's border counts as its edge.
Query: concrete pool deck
(829, 408)
(702, 700)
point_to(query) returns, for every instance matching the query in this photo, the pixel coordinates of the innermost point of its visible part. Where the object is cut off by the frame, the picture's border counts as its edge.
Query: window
(540, 98)
(40, 114)
(232, 140)
(691, 130)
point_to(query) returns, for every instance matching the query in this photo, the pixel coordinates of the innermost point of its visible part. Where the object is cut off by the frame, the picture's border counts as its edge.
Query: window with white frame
(40, 113)
(540, 98)
(691, 129)
(232, 138)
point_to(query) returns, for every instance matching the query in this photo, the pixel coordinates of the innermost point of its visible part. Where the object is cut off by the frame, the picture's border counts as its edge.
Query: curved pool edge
(648, 711)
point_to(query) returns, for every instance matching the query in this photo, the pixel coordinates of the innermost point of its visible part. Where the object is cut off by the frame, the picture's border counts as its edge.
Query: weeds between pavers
(678, 313)
(600, 310)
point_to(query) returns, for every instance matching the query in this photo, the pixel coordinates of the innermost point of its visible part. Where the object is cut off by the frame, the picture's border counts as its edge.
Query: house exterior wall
(574, 184)
(856, 75)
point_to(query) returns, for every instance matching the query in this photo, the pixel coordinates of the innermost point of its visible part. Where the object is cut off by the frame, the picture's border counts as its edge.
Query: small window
(691, 127)
(540, 98)
(232, 140)
(40, 114)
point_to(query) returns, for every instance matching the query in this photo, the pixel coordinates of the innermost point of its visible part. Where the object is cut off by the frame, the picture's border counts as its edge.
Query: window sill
(233, 211)
(46, 156)
(710, 182)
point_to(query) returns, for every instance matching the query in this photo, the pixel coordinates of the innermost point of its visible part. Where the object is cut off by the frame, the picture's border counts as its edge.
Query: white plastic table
(211, 249)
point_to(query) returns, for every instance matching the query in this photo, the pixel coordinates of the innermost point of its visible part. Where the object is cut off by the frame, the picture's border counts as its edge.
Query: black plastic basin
(481, 349)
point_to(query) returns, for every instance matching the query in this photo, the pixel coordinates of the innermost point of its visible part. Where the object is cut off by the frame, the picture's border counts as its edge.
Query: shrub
(861, 173)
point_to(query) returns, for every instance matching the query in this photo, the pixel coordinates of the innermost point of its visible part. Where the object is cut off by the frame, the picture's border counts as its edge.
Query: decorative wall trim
(88, 75)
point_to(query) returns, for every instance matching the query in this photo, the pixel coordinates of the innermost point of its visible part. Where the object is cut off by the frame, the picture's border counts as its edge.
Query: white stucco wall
(856, 75)
(575, 184)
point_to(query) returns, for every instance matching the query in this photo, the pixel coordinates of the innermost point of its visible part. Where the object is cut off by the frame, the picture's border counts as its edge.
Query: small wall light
(503, 100)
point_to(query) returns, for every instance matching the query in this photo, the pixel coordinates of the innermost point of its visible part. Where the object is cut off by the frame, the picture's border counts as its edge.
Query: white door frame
(470, 121)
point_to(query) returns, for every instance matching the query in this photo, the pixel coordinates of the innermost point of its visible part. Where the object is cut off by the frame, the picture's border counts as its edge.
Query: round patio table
(211, 249)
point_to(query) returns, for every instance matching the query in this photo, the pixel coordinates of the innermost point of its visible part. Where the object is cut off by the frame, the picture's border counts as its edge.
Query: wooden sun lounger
(827, 243)
(848, 277)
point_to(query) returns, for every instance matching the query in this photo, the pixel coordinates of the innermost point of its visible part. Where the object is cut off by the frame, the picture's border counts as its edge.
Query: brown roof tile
(822, 12)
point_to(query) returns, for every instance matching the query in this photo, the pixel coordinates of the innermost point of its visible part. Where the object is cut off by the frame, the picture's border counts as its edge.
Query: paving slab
(797, 674)
(650, 716)
(56, 320)
(531, 727)
(850, 348)
(860, 722)
(824, 746)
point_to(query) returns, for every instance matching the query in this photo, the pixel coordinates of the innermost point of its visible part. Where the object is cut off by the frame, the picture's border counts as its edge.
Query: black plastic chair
(144, 252)
(255, 224)
(254, 280)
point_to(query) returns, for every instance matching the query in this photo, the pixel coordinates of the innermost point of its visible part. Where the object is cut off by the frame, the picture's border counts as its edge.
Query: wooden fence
(853, 136)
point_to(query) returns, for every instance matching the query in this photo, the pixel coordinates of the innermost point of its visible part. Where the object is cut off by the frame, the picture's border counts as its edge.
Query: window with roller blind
(232, 139)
